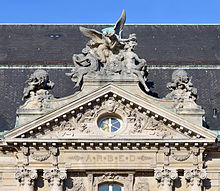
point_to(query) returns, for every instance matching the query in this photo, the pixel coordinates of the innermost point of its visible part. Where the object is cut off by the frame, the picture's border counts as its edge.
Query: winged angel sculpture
(108, 54)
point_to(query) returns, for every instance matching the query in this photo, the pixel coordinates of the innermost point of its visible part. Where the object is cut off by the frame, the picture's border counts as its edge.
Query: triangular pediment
(138, 118)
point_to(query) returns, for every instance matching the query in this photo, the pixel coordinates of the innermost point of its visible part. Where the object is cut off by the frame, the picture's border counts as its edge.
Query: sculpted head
(110, 33)
(180, 76)
(85, 50)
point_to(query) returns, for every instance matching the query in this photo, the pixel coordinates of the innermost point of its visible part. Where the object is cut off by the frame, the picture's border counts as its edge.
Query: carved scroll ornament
(26, 176)
(195, 177)
(55, 178)
(165, 177)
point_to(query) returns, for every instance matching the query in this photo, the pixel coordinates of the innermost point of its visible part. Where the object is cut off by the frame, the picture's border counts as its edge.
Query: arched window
(110, 187)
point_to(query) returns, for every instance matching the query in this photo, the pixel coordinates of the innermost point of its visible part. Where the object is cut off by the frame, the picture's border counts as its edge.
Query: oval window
(110, 124)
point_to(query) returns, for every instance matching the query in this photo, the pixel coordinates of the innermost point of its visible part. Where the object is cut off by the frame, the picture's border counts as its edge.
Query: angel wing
(120, 23)
(96, 36)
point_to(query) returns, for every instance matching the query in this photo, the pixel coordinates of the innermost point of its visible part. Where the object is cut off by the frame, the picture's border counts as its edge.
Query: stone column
(194, 178)
(55, 178)
(26, 179)
(165, 178)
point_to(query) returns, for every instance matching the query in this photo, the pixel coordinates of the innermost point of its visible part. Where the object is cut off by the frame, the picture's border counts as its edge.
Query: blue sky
(108, 11)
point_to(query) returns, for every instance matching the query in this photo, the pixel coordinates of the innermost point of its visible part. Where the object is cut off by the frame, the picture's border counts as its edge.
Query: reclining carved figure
(83, 64)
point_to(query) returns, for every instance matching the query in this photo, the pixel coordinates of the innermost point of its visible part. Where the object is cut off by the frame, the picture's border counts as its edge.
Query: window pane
(115, 124)
(109, 125)
(104, 188)
(116, 188)
(104, 125)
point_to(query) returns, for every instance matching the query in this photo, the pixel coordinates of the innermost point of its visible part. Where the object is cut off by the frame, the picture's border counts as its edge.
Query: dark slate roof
(30, 46)
(159, 44)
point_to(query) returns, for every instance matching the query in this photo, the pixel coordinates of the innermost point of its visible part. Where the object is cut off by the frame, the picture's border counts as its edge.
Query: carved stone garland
(194, 178)
(42, 157)
(178, 156)
(26, 179)
(55, 178)
(165, 178)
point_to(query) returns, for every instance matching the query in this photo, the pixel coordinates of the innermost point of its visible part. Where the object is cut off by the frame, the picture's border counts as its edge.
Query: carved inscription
(112, 159)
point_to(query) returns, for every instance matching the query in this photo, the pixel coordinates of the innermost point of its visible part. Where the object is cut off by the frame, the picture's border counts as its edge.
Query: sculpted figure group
(108, 55)
(37, 92)
(182, 90)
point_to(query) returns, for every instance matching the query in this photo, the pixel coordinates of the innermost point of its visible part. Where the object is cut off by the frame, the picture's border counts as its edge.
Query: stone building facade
(112, 133)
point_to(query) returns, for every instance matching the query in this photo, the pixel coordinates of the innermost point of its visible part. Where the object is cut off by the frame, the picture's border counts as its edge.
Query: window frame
(109, 118)
(110, 186)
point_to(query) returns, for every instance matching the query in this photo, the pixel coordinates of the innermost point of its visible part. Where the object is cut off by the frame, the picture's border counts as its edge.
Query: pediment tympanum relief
(110, 112)
(132, 122)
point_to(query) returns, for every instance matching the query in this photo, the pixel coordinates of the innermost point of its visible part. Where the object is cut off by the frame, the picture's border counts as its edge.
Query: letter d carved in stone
(55, 178)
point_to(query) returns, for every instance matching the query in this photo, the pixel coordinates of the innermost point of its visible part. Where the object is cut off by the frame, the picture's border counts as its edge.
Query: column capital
(26, 176)
(165, 176)
(55, 176)
(195, 176)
